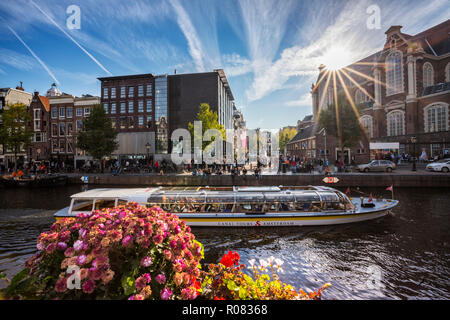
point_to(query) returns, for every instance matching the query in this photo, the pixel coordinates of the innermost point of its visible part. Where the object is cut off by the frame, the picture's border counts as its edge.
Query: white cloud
(303, 101)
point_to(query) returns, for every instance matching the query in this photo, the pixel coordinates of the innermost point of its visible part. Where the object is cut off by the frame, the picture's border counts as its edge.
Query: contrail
(69, 36)
(34, 55)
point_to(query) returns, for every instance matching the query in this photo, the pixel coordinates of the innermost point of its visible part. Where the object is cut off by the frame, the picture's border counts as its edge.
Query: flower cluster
(226, 280)
(128, 251)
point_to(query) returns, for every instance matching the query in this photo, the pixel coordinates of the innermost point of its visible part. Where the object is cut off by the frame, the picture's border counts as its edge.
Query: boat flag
(370, 198)
(391, 189)
(347, 192)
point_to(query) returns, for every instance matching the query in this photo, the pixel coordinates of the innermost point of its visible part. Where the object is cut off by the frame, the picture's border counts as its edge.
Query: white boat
(240, 206)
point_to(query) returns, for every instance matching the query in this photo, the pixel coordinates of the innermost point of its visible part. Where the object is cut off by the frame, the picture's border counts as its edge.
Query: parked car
(377, 165)
(441, 165)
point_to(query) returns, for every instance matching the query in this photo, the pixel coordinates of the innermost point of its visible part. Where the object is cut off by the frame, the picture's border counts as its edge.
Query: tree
(98, 137)
(15, 132)
(285, 136)
(342, 122)
(209, 120)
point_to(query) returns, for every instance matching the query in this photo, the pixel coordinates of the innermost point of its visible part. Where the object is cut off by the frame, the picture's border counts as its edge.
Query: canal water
(402, 256)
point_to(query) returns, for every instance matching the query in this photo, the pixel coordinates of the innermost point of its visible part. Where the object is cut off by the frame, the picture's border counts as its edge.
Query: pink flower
(61, 285)
(78, 245)
(50, 248)
(157, 239)
(40, 246)
(81, 260)
(88, 286)
(167, 254)
(127, 240)
(160, 278)
(136, 297)
(69, 252)
(61, 246)
(166, 293)
(142, 281)
(146, 262)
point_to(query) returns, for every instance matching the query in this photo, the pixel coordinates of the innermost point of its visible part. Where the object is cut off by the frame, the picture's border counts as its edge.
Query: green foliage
(285, 136)
(210, 120)
(15, 132)
(98, 137)
(343, 124)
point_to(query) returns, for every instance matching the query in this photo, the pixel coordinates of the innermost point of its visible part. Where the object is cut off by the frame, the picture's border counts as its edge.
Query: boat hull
(50, 181)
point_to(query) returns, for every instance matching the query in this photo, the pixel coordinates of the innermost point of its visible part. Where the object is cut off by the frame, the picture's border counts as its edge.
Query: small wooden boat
(240, 207)
(49, 180)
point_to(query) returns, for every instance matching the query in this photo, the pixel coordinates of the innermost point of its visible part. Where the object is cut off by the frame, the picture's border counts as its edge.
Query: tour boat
(240, 206)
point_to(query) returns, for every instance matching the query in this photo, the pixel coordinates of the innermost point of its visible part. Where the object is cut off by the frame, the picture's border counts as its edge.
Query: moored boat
(240, 206)
(48, 180)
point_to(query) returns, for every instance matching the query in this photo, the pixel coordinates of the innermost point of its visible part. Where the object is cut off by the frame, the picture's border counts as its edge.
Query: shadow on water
(401, 256)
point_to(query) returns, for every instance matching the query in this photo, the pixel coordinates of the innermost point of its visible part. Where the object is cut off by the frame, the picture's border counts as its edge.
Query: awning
(384, 146)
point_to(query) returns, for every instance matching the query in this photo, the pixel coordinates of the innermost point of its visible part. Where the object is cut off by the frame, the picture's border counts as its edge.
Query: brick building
(404, 94)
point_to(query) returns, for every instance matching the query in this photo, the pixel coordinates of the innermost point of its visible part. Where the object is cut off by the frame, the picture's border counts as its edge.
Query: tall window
(447, 72)
(69, 112)
(54, 129)
(428, 75)
(105, 105)
(105, 93)
(140, 106)
(149, 90)
(62, 129)
(367, 123)
(130, 107)
(54, 113)
(394, 73)
(87, 111)
(140, 90)
(62, 112)
(396, 123)
(113, 108)
(122, 107)
(131, 92)
(436, 117)
(79, 112)
(360, 97)
(69, 128)
(37, 119)
(113, 93)
(149, 106)
(122, 92)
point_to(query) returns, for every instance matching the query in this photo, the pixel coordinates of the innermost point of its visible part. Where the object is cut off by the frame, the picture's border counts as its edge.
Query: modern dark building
(146, 109)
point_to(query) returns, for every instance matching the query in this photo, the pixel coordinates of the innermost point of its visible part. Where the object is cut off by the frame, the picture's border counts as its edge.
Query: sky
(270, 49)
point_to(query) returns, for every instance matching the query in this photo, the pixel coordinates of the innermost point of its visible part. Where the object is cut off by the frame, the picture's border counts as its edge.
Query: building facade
(403, 91)
(146, 109)
(8, 97)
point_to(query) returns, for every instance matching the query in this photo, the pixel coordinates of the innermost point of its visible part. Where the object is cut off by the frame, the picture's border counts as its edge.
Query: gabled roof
(45, 102)
(303, 133)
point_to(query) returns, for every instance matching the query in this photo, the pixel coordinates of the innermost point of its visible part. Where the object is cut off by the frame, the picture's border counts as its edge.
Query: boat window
(82, 205)
(287, 206)
(103, 204)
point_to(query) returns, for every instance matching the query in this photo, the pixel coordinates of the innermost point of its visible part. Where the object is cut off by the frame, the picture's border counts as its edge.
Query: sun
(336, 57)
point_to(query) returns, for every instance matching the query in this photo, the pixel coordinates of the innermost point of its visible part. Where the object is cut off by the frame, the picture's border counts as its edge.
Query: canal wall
(422, 180)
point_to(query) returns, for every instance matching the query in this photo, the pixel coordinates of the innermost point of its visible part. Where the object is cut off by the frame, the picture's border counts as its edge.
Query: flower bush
(127, 252)
(227, 281)
(136, 253)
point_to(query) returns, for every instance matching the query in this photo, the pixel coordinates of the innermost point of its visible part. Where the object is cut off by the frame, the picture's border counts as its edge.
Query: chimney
(20, 87)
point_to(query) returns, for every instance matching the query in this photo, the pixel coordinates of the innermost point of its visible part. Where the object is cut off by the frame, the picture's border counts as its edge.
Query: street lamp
(413, 141)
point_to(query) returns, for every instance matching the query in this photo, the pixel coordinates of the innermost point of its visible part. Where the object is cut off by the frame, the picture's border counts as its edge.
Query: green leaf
(242, 293)
(128, 285)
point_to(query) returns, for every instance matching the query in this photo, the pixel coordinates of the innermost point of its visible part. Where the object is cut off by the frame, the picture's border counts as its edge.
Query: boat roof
(141, 195)
(132, 194)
